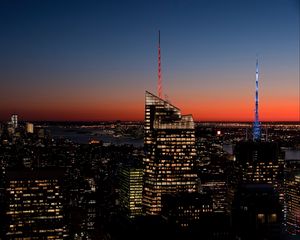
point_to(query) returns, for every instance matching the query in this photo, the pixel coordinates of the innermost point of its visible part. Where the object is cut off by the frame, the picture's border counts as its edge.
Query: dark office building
(256, 212)
(257, 162)
(192, 216)
(185, 209)
(214, 179)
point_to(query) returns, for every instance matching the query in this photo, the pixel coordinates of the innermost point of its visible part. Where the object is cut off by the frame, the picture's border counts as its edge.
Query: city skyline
(76, 61)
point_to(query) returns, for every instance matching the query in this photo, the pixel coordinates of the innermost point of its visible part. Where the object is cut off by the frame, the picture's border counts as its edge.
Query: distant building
(95, 142)
(131, 190)
(27, 162)
(41, 133)
(29, 127)
(92, 183)
(34, 205)
(169, 143)
(10, 129)
(14, 120)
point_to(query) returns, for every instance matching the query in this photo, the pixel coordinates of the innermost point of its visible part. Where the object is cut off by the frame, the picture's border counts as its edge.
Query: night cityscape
(150, 120)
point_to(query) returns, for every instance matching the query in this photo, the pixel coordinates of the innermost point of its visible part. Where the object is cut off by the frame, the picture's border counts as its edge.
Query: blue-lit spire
(256, 125)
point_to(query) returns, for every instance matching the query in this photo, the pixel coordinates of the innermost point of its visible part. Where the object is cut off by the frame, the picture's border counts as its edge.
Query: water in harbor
(83, 136)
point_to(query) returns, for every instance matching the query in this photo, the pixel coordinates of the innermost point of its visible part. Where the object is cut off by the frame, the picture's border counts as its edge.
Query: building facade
(34, 205)
(186, 209)
(257, 212)
(131, 190)
(257, 162)
(292, 197)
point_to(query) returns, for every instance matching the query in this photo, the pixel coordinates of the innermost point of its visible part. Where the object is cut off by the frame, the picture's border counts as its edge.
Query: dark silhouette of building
(214, 178)
(257, 162)
(185, 209)
(192, 216)
(256, 212)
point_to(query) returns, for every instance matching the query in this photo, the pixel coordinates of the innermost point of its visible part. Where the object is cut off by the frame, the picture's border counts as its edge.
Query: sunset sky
(93, 60)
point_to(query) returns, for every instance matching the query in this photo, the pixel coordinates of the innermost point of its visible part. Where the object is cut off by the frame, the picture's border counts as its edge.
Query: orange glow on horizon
(135, 112)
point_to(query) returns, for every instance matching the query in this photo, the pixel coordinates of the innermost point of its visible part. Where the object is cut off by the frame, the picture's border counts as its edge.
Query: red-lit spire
(159, 81)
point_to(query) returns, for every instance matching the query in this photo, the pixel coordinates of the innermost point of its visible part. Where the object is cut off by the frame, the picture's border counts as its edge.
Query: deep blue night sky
(93, 60)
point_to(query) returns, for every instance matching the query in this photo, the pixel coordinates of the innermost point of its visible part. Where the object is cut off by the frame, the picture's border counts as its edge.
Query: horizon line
(136, 120)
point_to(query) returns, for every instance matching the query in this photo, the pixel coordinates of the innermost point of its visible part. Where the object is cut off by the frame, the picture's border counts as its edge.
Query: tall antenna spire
(256, 125)
(159, 80)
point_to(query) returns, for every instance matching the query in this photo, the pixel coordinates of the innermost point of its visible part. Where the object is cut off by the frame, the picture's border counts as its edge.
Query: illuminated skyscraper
(292, 204)
(34, 201)
(131, 190)
(169, 143)
(292, 198)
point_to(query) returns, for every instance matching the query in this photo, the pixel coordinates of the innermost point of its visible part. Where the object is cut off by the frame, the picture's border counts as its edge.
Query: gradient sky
(93, 60)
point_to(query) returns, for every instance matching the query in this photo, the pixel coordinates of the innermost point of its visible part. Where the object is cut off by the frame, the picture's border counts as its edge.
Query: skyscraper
(131, 189)
(292, 197)
(257, 162)
(292, 205)
(169, 143)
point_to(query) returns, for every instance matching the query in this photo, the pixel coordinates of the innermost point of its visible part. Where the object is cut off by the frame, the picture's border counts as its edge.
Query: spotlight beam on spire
(256, 125)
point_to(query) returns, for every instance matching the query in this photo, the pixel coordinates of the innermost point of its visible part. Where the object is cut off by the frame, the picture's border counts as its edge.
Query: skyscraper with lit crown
(170, 152)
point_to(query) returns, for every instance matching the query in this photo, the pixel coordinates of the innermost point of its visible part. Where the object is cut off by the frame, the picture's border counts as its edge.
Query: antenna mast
(256, 125)
(159, 81)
